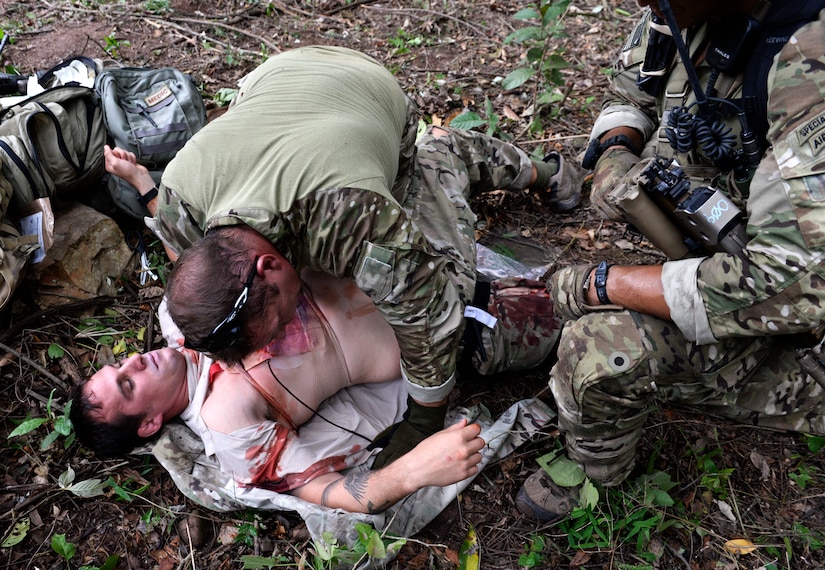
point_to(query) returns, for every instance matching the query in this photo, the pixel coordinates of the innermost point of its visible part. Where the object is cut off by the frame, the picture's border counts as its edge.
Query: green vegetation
(328, 553)
(67, 551)
(542, 61)
(58, 425)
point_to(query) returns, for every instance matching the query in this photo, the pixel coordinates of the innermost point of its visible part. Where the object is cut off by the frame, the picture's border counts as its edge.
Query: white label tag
(481, 316)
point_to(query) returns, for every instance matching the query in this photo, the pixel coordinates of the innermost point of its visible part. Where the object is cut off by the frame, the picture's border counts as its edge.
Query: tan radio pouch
(644, 214)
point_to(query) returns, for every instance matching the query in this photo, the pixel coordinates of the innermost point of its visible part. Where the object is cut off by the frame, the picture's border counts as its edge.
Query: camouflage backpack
(51, 148)
(51, 144)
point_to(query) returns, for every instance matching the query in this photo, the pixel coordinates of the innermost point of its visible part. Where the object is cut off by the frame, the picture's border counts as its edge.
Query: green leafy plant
(370, 544)
(152, 519)
(55, 351)
(86, 488)
(403, 41)
(112, 45)
(224, 96)
(248, 529)
(533, 556)
(67, 550)
(16, 533)
(124, 490)
(803, 475)
(261, 562)
(157, 6)
(815, 442)
(714, 478)
(633, 514)
(472, 120)
(60, 425)
(104, 331)
(543, 60)
(800, 540)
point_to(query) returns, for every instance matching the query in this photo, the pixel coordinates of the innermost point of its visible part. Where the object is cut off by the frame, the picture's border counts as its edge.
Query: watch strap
(600, 281)
(144, 199)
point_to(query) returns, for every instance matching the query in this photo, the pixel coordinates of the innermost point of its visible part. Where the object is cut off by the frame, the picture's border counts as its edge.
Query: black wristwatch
(596, 148)
(601, 283)
(144, 199)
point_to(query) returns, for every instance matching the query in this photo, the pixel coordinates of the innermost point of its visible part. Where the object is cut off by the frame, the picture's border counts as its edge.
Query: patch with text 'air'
(812, 134)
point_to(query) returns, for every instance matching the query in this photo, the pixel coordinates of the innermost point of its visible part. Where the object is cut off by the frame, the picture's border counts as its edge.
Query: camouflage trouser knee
(526, 330)
(447, 171)
(614, 367)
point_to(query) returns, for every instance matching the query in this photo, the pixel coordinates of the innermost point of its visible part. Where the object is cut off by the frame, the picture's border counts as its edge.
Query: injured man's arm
(446, 457)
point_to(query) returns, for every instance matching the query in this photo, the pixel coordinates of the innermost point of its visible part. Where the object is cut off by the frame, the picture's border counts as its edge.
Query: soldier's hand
(419, 423)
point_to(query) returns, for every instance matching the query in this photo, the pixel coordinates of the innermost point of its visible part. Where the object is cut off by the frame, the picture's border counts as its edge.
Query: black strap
(471, 340)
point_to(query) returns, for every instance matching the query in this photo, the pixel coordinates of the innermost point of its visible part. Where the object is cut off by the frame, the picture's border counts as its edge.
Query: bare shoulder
(232, 404)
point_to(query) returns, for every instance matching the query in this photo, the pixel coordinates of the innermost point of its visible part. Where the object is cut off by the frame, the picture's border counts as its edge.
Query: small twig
(347, 7)
(58, 310)
(678, 555)
(20, 507)
(479, 31)
(553, 139)
(202, 35)
(736, 507)
(263, 40)
(36, 366)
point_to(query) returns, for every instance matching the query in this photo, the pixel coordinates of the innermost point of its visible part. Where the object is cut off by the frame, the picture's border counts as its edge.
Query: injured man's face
(152, 386)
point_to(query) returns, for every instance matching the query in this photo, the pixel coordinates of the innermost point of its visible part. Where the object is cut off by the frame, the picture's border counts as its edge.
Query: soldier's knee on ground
(602, 384)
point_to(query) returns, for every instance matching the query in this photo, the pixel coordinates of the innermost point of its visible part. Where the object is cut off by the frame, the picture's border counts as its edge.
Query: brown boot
(542, 500)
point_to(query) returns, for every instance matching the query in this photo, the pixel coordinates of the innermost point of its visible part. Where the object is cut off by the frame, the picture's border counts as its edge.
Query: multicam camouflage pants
(634, 363)
(446, 172)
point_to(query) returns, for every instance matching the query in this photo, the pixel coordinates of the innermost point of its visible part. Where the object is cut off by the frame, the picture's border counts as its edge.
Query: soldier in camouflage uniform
(318, 155)
(717, 332)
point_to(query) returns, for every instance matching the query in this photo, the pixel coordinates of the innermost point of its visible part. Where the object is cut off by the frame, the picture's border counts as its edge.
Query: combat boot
(540, 499)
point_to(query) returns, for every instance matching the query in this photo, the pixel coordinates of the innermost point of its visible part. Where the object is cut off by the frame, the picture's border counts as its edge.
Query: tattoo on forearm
(329, 488)
(356, 485)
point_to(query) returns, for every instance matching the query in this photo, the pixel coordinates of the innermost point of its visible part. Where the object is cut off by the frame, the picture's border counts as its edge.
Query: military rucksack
(51, 148)
(51, 144)
(152, 113)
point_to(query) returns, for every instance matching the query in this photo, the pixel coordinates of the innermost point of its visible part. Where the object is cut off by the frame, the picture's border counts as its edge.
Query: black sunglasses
(225, 334)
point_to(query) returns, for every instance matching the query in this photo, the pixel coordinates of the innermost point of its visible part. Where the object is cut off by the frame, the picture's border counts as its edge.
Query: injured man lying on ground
(304, 413)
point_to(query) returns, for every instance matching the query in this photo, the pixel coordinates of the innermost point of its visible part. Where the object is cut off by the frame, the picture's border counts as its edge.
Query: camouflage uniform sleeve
(175, 223)
(626, 105)
(776, 285)
(368, 237)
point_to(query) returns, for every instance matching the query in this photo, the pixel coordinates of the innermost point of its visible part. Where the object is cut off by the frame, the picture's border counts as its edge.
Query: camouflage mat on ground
(198, 477)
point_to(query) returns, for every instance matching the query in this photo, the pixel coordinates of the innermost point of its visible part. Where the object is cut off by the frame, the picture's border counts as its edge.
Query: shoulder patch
(635, 46)
(812, 134)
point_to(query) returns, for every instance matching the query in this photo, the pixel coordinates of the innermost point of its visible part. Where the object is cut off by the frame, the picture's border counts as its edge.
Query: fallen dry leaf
(740, 546)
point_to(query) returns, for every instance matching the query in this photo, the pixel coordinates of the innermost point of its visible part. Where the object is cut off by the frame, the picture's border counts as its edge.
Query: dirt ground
(450, 55)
